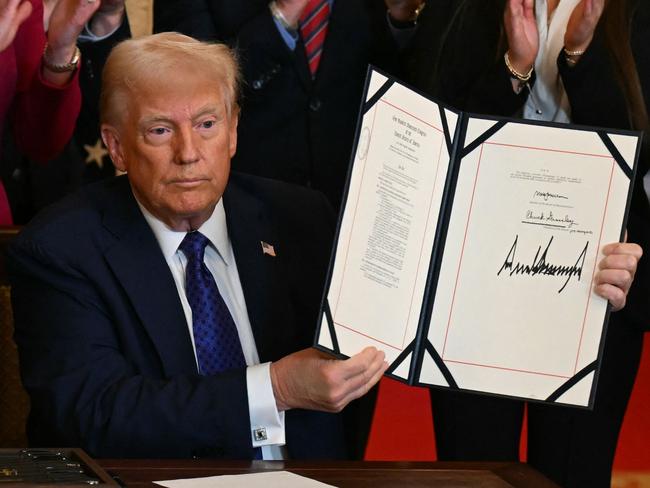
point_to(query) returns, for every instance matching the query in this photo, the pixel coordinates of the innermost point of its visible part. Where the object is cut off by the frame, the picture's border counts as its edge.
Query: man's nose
(187, 150)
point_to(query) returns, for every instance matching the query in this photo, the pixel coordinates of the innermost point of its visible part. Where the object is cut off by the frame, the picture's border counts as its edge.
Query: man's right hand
(12, 14)
(312, 380)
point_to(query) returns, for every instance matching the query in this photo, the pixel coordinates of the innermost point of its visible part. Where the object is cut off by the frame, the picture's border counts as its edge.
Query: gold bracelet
(573, 53)
(524, 78)
(279, 16)
(62, 68)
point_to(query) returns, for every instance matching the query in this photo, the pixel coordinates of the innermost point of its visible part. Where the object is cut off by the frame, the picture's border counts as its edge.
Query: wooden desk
(135, 473)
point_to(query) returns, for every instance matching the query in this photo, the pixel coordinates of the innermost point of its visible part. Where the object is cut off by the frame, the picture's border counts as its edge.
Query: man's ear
(111, 138)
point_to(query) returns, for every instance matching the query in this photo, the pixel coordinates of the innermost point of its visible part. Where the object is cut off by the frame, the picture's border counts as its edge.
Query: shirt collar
(215, 229)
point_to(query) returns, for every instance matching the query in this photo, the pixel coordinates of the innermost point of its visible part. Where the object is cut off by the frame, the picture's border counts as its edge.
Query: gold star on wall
(96, 153)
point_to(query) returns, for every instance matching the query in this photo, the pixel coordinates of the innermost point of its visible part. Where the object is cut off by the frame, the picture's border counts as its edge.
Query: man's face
(175, 142)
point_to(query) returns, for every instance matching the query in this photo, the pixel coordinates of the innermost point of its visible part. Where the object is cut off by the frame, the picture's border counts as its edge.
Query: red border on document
(539, 373)
(356, 208)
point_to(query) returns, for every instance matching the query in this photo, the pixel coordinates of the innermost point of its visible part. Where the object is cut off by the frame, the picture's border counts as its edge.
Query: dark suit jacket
(292, 128)
(104, 346)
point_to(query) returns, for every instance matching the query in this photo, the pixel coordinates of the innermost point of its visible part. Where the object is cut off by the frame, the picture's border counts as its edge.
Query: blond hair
(146, 61)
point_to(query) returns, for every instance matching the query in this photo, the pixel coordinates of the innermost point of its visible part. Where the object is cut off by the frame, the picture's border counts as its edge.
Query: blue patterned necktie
(215, 334)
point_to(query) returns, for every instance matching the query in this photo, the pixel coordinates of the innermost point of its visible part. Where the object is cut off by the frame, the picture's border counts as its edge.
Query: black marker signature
(540, 266)
(546, 195)
(550, 217)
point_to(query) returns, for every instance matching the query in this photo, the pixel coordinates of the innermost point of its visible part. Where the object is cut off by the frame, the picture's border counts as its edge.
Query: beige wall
(140, 16)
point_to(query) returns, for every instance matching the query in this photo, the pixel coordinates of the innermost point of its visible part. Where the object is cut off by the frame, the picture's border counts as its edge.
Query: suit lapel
(265, 292)
(139, 265)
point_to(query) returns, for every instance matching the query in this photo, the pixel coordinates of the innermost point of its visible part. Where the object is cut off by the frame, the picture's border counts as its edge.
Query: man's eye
(208, 124)
(158, 131)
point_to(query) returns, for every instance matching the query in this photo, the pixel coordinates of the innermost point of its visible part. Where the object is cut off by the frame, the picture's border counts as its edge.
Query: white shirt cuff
(267, 424)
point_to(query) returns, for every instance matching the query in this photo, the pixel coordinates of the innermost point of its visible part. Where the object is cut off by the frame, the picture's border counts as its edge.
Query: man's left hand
(616, 272)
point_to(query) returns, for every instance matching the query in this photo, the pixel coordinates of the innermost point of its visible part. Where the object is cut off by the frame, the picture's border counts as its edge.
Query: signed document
(468, 245)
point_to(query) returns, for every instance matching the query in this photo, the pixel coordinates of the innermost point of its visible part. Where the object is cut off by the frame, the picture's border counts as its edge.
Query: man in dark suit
(144, 305)
(299, 118)
(297, 125)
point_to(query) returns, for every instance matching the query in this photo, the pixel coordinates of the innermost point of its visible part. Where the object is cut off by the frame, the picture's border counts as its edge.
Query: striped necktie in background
(313, 29)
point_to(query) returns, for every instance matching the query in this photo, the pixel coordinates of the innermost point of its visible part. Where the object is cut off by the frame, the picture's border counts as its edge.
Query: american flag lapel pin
(267, 249)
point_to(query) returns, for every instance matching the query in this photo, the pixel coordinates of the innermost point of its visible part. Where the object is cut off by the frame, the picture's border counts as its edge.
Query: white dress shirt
(220, 260)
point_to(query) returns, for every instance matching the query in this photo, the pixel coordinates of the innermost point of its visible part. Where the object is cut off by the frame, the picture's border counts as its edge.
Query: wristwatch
(62, 68)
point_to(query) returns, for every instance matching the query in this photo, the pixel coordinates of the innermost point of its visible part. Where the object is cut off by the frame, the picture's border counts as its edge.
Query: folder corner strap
(483, 137)
(571, 382)
(444, 370)
(445, 127)
(378, 94)
(618, 157)
(330, 326)
(400, 359)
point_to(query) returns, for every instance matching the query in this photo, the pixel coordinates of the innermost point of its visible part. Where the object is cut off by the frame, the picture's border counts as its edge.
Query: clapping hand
(66, 23)
(521, 31)
(12, 14)
(582, 24)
